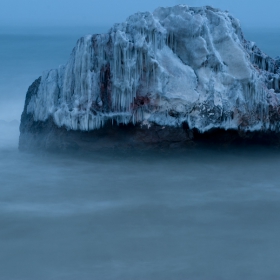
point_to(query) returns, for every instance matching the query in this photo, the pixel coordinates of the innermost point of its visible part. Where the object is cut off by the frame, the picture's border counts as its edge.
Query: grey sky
(106, 12)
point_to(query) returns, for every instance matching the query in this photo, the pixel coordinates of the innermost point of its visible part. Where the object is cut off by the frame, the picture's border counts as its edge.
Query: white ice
(191, 61)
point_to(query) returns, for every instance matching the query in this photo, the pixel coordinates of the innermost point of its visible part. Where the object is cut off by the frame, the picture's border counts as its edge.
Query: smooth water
(202, 214)
(25, 54)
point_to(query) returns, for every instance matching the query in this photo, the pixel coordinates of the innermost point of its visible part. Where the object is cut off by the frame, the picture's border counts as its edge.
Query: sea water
(209, 213)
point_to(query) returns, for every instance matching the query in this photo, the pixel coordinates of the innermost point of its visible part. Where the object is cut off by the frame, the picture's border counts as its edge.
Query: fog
(208, 213)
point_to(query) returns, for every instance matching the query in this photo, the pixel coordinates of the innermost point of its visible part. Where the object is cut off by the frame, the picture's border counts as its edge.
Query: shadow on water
(203, 213)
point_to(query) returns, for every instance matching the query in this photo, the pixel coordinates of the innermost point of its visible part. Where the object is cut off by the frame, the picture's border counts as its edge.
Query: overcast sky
(106, 12)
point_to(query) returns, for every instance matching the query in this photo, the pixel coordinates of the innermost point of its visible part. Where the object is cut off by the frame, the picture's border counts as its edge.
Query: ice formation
(177, 65)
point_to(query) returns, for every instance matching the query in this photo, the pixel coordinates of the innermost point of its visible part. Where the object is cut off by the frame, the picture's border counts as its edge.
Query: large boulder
(162, 78)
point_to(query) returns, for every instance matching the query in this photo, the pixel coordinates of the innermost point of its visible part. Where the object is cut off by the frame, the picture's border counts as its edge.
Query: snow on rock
(176, 65)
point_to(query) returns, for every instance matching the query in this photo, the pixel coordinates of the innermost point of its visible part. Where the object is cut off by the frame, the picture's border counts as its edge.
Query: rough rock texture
(168, 77)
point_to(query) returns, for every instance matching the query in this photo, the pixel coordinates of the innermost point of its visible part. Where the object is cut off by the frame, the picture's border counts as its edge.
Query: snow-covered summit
(173, 66)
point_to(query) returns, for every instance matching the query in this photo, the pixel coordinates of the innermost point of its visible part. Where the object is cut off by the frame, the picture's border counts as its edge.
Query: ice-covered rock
(175, 67)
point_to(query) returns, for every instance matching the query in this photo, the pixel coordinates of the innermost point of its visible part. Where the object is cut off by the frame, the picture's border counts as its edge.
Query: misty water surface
(208, 213)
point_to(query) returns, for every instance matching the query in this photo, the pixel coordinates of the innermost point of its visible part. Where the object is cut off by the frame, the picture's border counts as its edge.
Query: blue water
(198, 215)
(25, 54)
(267, 39)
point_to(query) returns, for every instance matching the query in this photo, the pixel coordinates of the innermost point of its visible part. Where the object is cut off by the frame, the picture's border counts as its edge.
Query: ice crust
(176, 65)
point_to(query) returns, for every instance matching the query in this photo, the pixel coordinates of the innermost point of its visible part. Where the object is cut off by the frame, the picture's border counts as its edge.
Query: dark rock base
(47, 136)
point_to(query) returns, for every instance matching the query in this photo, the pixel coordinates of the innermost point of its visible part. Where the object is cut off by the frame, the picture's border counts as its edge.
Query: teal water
(202, 214)
(25, 54)
(267, 39)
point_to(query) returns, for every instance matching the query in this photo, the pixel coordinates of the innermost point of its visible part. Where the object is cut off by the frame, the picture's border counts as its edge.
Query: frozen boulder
(183, 69)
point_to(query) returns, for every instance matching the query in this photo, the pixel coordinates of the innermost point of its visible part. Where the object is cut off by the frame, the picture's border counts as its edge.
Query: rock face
(161, 77)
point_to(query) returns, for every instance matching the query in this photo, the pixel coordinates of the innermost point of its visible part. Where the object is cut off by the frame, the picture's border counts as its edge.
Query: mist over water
(208, 213)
